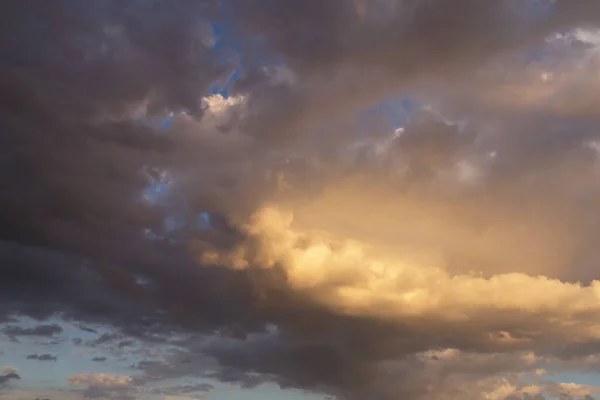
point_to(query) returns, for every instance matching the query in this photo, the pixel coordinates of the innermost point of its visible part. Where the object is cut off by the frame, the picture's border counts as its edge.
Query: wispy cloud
(42, 357)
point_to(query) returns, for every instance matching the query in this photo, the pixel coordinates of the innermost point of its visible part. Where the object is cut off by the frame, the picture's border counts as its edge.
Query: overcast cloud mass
(341, 199)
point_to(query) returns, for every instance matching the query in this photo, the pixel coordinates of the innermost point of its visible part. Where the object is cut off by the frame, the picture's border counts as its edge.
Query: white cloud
(591, 37)
(217, 105)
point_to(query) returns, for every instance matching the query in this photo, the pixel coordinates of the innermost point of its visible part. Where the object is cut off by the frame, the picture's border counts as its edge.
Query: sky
(299, 199)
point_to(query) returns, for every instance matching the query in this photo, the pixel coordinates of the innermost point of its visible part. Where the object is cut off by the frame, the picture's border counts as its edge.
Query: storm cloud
(263, 235)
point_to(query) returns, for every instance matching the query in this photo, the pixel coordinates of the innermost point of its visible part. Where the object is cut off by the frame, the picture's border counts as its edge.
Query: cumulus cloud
(413, 285)
(104, 386)
(262, 234)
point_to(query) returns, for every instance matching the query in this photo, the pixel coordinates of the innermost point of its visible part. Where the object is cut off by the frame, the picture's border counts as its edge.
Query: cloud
(340, 273)
(8, 374)
(125, 343)
(283, 241)
(100, 380)
(7, 377)
(87, 329)
(44, 394)
(8, 370)
(38, 330)
(198, 390)
(104, 386)
(168, 397)
(99, 359)
(42, 357)
(107, 337)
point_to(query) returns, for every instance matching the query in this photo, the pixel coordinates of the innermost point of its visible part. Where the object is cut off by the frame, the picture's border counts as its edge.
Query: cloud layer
(286, 231)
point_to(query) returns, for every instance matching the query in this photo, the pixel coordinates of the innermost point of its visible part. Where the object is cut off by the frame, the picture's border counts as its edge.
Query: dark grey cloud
(107, 337)
(5, 378)
(358, 63)
(88, 329)
(125, 343)
(163, 40)
(42, 357)
(184, 389)
(103, 393)
(38, 330)
(99, 359)
(78, 147)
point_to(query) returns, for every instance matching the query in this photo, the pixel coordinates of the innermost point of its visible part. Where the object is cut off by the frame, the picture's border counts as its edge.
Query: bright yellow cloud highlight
(351, 277)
